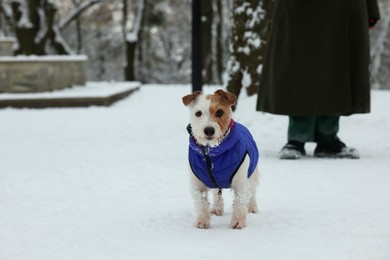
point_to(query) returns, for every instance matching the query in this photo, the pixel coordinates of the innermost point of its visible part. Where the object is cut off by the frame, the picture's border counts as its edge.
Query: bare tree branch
(76, 12)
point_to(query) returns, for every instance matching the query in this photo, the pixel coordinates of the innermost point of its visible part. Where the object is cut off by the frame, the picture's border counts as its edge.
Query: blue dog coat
(216, 166)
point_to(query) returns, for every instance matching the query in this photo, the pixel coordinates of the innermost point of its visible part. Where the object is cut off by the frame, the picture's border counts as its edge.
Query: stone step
(6, 46)
(92, 94)
(27, 74)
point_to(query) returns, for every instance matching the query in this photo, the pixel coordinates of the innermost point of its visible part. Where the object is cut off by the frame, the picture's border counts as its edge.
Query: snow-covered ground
(112, 183)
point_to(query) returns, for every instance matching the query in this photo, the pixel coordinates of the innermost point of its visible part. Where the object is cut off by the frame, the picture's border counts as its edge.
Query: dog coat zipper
(210, 167)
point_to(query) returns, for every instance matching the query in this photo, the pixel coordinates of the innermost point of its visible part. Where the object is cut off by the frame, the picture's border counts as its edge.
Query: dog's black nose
(209, 131)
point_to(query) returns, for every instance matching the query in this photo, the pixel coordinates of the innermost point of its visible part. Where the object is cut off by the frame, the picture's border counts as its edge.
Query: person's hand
(372, 22)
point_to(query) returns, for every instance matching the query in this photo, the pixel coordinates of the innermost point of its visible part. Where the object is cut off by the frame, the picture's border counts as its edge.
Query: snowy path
(111, 183)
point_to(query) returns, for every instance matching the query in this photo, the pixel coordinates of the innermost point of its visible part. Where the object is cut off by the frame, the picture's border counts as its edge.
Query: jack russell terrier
(222, 154)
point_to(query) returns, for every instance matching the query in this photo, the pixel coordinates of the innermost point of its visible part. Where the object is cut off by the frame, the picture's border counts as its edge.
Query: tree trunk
(40, 30)
(133, 40)
(196, 55)
(207, 39)
(79, 35)
(24, 34)
(250, 27)
(5, 19)
(130, 57)
(219, 43)
(380, 48)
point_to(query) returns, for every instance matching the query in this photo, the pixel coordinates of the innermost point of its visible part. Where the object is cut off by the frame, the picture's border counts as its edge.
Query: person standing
(316, 69)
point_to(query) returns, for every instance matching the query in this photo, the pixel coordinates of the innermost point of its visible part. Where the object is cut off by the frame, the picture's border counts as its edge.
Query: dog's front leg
(240, 209)
(242, 196)
(199, 194)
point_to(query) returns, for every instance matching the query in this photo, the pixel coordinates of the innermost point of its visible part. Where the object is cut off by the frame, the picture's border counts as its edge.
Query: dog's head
(210, 115)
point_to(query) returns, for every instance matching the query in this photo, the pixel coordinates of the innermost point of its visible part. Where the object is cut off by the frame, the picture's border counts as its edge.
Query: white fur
(244, 189)
(198, 124)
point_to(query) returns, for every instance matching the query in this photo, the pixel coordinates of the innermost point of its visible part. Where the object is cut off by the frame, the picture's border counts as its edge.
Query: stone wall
(21, 74)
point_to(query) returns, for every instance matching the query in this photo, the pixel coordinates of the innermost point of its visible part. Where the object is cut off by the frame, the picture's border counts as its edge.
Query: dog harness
(216, 166)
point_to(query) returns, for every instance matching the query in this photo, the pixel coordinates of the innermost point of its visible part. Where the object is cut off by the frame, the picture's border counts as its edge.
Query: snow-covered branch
(76, 12)
(133, 35)
(4, 5)
(20, 12)
(60, 41)
(42, 25)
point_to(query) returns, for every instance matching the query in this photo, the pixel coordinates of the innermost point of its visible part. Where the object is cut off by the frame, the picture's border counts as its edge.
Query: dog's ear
(191, 97)
(230, 98)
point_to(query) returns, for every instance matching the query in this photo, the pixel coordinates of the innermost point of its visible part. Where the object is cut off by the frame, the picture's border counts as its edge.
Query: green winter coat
(317, 58)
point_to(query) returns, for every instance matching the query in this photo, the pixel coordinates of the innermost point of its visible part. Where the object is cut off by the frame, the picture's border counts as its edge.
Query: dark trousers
(319, 129)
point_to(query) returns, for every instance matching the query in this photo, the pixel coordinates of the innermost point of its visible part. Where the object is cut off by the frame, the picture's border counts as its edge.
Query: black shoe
(336, 149)
(292, 150)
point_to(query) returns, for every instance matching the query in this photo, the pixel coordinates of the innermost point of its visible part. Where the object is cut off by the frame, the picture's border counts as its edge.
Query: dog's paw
(217, 211)
(202, 224)
(238, 224)
(253, 208)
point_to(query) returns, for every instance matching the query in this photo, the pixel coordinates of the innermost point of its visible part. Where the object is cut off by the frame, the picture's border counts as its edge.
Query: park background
(111, 181)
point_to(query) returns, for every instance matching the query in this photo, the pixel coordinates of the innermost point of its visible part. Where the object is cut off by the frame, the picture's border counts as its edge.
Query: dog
(222, 154)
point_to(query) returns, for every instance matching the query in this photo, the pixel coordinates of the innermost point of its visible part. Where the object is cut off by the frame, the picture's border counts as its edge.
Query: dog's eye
(219, 113)
(198, 114)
